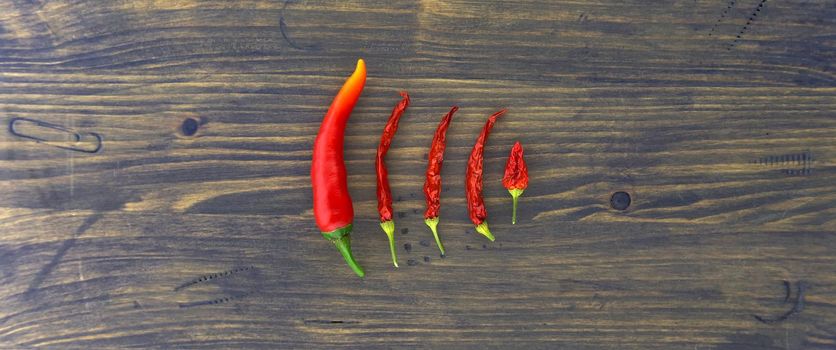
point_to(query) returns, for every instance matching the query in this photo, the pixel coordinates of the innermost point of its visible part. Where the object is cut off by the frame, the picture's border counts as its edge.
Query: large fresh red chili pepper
(384, 194)
(332, 203)
(473, 180)
(432, 185)
(516, 176)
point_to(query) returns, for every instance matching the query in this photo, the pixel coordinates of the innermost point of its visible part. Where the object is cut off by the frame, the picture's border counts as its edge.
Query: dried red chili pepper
(432, 185)
(516, 176)
(384, 194)
(331, 202)
(473, 180)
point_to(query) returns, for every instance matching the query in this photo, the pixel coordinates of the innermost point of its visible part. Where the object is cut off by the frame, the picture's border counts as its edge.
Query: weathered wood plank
(163, 239)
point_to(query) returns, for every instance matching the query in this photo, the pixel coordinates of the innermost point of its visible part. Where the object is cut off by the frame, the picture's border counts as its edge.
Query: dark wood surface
(159, 239)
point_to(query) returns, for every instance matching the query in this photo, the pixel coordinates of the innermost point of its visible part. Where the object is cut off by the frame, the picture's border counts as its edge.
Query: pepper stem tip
(389, 228)
(485, 231)
(433, 224)
(515, 194)
(343, 244)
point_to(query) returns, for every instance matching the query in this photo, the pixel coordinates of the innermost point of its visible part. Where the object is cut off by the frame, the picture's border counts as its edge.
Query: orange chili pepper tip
(389, 227)
(360, 69)
(485, 231)
(355, 83)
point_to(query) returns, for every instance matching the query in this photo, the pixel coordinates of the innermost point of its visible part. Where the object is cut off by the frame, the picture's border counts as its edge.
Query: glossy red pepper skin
(332, 206)
(432, 184)
(473, 179)
(384, 193)
(516, 176)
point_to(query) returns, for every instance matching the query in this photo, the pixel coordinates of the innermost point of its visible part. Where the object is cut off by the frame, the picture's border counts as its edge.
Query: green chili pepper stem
(433, 224)
(514, 213)
(515, 193)
(389, 228)
(485, 231)
(343, 244)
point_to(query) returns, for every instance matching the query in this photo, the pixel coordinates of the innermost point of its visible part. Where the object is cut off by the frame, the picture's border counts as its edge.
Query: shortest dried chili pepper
(432, 185)
(516, 176)
(473, 179)
(384, 193)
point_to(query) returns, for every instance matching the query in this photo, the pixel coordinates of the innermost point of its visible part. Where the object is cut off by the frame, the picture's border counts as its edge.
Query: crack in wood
(802, 163)
(220, 300)
(212, 276)
(798, 304)
(722, 16)
(747, 25)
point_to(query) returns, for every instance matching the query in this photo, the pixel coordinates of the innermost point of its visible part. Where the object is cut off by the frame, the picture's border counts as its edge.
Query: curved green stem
(515, 193)
(433, 224)
(485, 231)
(343, 244)
(389, 228)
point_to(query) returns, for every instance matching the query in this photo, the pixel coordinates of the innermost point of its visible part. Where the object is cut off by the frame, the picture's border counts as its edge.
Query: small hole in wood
(620, 200)
(189, 127)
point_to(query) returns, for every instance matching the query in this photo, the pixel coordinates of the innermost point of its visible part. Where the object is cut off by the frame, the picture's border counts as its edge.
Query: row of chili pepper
(333, 209)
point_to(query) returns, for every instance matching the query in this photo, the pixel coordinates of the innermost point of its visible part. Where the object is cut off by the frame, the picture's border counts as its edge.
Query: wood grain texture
(162, 240)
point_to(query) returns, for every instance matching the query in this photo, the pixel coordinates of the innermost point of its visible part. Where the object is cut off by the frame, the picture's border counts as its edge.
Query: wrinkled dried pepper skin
(384, 193)
(516, 176)
(432, 184)
(516, 171)
(332, 205)
(435, 160)
(473, 179)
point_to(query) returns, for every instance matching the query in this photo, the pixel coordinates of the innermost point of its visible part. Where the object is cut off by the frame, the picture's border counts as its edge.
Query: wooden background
(164, 240)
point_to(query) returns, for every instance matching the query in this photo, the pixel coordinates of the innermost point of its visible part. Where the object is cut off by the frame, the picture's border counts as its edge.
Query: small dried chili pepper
(516, 176)
(473, 180)
(432, 185)
(384, 194)
(332, 206)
